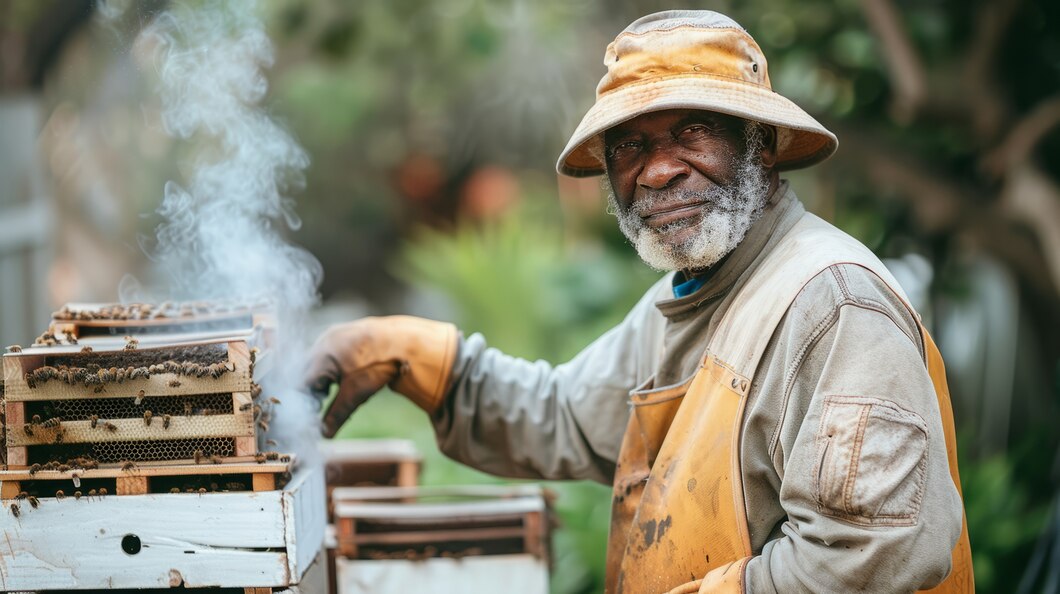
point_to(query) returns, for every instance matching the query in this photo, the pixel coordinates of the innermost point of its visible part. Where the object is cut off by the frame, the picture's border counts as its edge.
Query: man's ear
(769, 146)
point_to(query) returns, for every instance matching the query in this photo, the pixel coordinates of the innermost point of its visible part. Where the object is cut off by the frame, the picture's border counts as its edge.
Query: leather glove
(413, 356)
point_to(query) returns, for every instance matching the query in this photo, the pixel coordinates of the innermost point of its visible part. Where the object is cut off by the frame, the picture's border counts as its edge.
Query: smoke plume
(221, 235)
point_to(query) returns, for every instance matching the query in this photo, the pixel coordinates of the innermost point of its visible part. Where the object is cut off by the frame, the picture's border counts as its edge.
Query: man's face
(687, 184)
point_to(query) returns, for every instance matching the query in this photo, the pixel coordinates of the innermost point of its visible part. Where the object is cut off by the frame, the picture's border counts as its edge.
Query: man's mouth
(662, 216)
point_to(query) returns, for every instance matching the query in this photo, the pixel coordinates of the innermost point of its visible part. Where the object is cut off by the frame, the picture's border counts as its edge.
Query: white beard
(728, 214)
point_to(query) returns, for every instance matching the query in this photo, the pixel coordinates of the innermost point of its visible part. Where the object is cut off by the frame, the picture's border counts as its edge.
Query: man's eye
(624, 149)
(697, 131)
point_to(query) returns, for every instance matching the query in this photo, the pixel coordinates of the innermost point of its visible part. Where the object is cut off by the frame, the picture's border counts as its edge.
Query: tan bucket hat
(691, 59)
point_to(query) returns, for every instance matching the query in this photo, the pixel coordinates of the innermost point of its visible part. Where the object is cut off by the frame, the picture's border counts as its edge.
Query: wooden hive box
(370, 463)
(106, 436)
(250, 541)
(458, 539)
(162, 401)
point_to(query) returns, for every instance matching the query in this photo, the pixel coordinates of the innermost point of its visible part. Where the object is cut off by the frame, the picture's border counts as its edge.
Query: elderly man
(772, 416)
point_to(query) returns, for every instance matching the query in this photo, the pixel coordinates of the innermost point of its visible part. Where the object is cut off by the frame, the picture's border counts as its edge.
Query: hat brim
(801, 140)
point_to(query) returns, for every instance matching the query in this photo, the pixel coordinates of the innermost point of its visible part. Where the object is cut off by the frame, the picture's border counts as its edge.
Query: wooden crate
(370, 462)
(81, 319)
(228, 398)
(423, 522)
(252, 539)
(457, 539)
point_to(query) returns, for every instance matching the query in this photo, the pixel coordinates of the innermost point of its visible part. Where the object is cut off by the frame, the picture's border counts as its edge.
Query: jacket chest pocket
(655, 409)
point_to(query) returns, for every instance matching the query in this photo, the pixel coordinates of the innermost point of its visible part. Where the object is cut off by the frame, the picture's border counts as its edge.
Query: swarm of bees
(95, 375)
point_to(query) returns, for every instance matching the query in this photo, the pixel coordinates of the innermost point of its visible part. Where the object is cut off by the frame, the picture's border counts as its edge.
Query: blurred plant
(1004, 508)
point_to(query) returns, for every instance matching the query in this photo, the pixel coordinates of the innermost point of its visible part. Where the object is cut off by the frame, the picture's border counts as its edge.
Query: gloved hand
(414, 356)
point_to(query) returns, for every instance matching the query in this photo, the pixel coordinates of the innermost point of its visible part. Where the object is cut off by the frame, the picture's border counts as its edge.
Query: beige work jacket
(845, 334)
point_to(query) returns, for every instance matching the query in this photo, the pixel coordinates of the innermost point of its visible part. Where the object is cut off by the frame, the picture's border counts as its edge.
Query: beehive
(178, 402)
(457, 539)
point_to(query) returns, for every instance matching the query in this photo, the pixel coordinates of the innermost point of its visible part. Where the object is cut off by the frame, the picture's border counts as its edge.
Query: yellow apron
(678, 521)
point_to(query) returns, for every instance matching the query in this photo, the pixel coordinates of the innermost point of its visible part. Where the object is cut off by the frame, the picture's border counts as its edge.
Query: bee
(272, 456)
(52, 422)
(91, 492)
(175, 490)
(28, 429)
(202, 490)
(274, 400)
(59, 436)
(285, 458)
(33, 502)
(15, 510)
(139, 398)
(63, 468)
(216, 459)
(30, 380)
(93, 421)
(255, 391)
(147, 418)
(174, 383)
(264, 426)
(21, 495)
(165, 421)
(128, 466)
(70, 338)
(245, 407)
(60, 495)
(102, 491)
(259, 458)
(235, 486)
(110, 426)
(77, 495)
(270, 442)
(100, 388)
(34, 469)
(35, 419)
(14, 349)
(131, 343)
(199, 457)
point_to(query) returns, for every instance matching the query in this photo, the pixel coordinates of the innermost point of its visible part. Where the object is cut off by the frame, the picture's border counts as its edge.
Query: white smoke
(221, 235)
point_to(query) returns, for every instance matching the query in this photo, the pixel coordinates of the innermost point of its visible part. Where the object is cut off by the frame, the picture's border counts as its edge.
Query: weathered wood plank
(16, 365)
(304, 507)
(212, 540)
(207, 540)
(512, 574)
(180, 427)
(131, 485)
(167, 468)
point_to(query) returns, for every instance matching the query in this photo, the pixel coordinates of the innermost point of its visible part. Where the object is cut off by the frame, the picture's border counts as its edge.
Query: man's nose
(662, 170)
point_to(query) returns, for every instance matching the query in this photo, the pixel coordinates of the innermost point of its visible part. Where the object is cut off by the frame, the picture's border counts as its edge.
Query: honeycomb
(81, 409)
(136, 451)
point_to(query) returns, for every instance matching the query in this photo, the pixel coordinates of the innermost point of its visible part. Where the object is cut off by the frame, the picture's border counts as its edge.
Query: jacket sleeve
(860, 456)
(517, 418)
